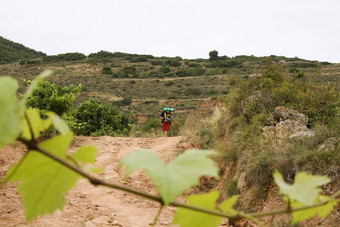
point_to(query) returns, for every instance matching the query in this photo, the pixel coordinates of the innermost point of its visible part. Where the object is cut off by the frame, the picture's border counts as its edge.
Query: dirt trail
(88, 205)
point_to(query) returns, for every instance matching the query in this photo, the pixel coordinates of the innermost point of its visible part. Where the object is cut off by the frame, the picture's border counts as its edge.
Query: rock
(269, 132)
(302, 135)
(282, 113)
(287, 124)
(329, 145)
(241, 182)
(292, 129)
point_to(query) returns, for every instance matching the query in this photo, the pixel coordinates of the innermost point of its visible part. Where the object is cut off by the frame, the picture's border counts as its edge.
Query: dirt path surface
(88, 205)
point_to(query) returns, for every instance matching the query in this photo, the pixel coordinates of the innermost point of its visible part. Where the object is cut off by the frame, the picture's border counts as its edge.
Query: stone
(282, 113)
(288, 128)
(269, 132)
(241, 182)
(330, 144)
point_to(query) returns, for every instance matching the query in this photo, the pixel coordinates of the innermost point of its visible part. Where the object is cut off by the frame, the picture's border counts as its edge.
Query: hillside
(145, 84)
(11, 52)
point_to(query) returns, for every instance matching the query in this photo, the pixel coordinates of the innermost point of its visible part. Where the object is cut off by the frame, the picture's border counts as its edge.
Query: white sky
(308, 29)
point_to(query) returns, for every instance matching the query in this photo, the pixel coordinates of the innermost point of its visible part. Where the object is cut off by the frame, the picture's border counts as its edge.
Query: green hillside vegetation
(11, 52)
(236, 129)
(144, 84)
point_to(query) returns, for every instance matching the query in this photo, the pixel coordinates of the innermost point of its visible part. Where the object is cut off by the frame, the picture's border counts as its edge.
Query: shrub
(54, 98)
(181, 73)
(151, 127)
(165, 69)
(64, 57)
(193, 91)
(157, 62)
(107, 70)
(30, 62)
(156, 74)
(101, 56)
(143, 75)
(127, 71)
(96, 118)
(194, 65)
(169, 83)
(139, 58)
(260, 169)
(173, 62)
(230, 186)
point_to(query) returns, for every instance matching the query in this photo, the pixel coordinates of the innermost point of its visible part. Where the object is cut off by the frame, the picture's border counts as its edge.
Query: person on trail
(166, 117)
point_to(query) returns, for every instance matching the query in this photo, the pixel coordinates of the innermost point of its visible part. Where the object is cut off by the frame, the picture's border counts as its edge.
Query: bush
(156, 74)
(138, 58)
(249, 104)
(181, 73)
(107, 70)
(95, 118)
(151, 127)
(123, 102)
(173, 62)
(165, 69)
(157, 62)
(101, 56)
(169, 83)
(260, 169)
(64, 57)
(48, 96)
(127, 72)
(193, 91)
(230, 186)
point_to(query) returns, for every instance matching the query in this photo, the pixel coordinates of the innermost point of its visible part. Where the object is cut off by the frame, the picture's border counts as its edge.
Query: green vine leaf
(188, 218)
(173, 178)
(86, 154)
(305, 189)
(58, 123)
(44, 181)
(322, 211)
(37, 124)
(10, 111)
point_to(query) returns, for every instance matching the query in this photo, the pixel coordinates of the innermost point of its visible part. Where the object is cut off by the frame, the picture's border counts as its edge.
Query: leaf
(227, 206)
(305, 189)
(58, 123)
(10, 111)
(37, 124)
(173, 178)
(322, 211)
(187, 218)
(85, 154)
(44, 181)
(34, 85)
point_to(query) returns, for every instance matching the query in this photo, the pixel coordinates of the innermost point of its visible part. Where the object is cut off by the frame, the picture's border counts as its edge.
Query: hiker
(166, 117)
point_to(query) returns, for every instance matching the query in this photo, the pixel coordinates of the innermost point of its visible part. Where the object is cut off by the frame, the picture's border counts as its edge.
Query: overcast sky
(308, 29)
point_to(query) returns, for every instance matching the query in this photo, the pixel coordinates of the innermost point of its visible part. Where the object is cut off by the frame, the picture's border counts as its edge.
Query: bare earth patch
(88, 205)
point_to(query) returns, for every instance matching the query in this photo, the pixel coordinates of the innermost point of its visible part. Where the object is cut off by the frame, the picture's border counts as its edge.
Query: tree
(213, 55)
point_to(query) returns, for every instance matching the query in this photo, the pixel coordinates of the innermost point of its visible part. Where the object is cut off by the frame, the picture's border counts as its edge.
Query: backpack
(168, 117)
